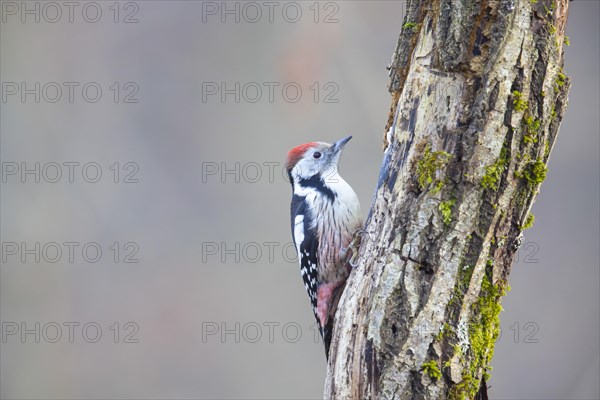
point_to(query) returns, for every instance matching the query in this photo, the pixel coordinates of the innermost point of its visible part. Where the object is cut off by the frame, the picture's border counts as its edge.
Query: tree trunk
(478, 94)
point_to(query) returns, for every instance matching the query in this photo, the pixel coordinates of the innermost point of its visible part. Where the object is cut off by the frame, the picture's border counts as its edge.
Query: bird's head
(314, 159)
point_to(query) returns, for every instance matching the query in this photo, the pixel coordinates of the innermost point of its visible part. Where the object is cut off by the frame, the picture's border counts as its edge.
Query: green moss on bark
(534, 173)
(519, 104)
(528, 222)
(493, 172)
(428, 165)
(445, 208)
(484, 330)
(432, 370)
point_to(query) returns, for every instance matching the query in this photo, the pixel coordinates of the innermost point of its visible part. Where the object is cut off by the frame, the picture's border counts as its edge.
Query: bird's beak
(337, 146)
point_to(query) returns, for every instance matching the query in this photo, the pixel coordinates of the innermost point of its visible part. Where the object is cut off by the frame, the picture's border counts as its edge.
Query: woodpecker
(325, 216)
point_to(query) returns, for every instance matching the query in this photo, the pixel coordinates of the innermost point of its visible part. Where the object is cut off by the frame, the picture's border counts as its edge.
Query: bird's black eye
(316, 154)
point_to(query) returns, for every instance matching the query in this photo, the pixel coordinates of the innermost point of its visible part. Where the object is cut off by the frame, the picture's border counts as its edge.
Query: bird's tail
(327, 330)
(326, 333)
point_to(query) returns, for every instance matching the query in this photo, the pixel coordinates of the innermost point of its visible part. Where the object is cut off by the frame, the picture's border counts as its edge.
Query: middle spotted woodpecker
(325, 216)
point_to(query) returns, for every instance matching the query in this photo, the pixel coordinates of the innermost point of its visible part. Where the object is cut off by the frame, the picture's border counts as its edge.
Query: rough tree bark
(478, 94)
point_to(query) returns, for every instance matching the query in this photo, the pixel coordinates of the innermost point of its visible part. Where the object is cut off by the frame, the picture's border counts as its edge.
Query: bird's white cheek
(306, 168)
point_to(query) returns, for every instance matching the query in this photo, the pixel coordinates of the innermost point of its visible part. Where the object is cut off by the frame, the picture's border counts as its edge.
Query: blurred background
(145, 213)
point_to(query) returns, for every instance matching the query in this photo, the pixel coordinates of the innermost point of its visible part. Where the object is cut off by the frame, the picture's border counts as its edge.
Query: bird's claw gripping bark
(353, 247)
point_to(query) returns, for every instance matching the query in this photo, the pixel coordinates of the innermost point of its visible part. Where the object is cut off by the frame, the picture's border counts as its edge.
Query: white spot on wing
(299, 231)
